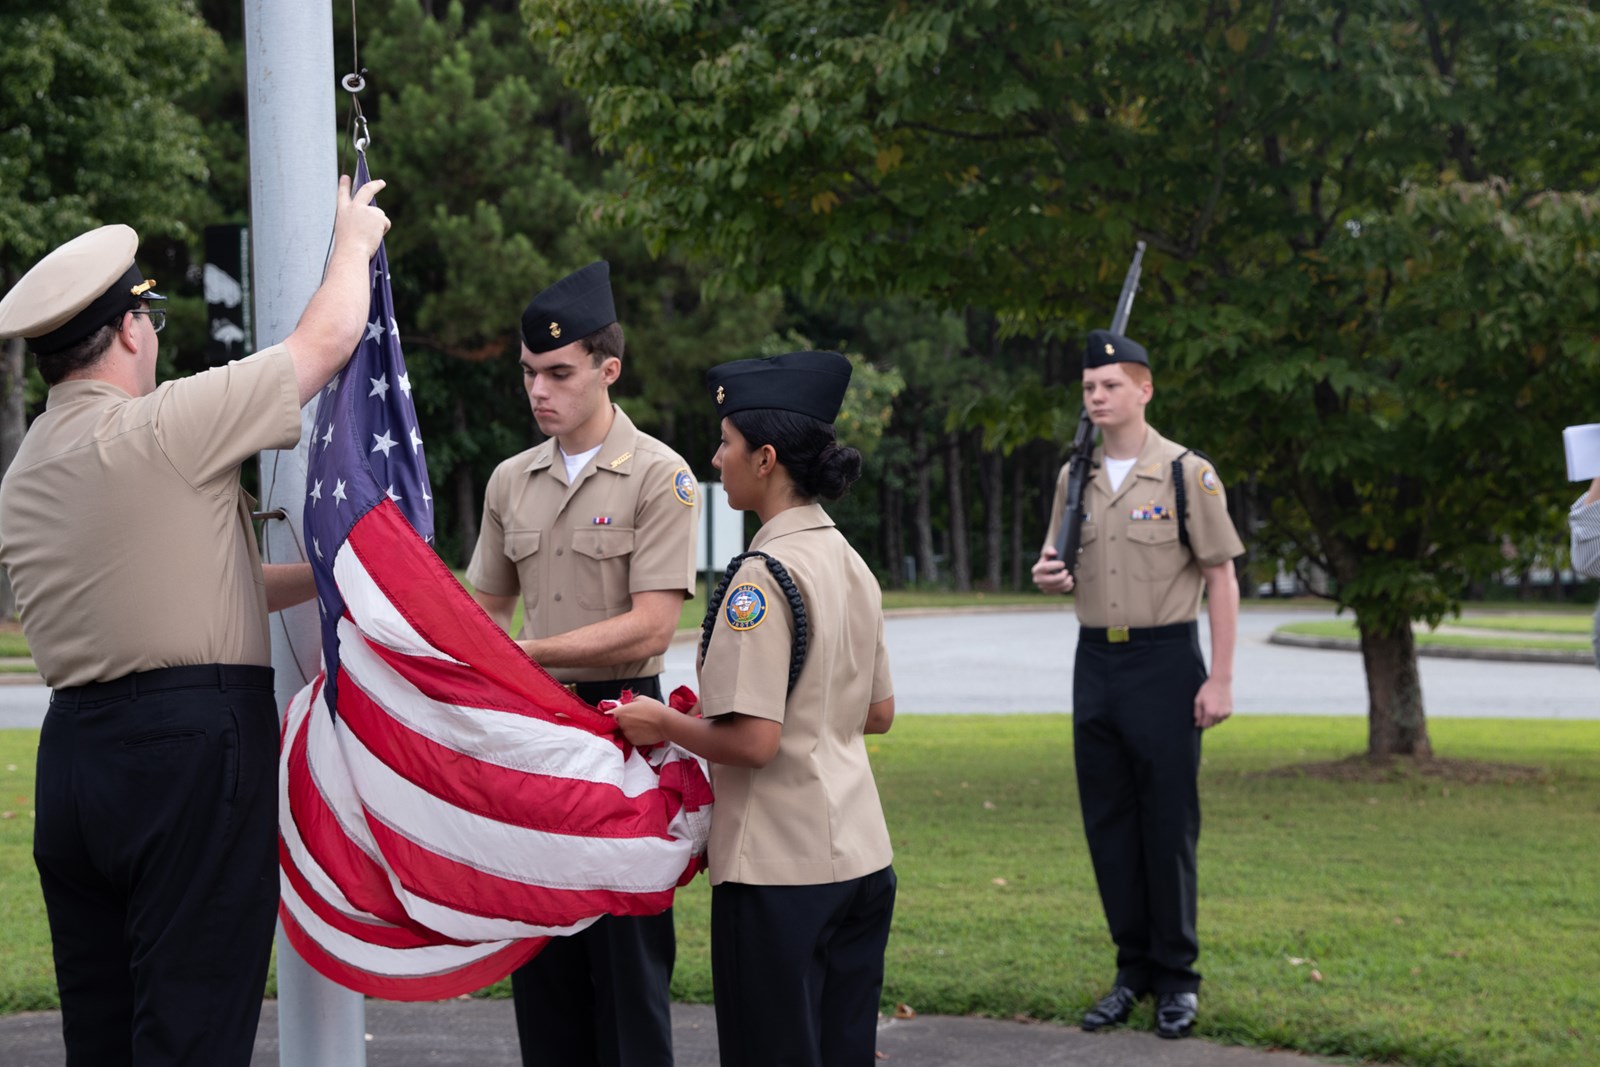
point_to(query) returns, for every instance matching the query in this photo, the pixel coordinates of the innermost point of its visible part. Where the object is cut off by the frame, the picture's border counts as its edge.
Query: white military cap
(87, 283)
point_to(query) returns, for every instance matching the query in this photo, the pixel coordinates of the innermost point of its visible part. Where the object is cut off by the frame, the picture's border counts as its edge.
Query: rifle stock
(1069, 531)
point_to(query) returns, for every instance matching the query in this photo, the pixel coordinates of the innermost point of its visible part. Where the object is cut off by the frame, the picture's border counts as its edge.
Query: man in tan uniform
(128, 540)
(1156, 531)
(595, 530)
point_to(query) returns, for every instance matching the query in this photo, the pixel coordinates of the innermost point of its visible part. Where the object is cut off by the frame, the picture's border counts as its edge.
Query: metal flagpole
(293, 175)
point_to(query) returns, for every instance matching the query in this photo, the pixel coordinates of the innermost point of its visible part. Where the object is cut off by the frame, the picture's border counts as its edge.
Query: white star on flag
(327, 438)
(380, 387)
(316, 493)
(394, 327)
(383, 443)
(416, 440)
(427, 500)
(316, 546)
(405, 383)
(338, 491)
(374, 330)
(392, 494)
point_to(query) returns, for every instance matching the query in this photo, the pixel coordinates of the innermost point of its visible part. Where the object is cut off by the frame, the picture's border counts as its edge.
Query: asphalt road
(1012, 661)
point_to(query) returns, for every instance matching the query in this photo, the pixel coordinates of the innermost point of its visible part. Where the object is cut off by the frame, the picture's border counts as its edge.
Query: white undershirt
(1117, 469)
(575, 464)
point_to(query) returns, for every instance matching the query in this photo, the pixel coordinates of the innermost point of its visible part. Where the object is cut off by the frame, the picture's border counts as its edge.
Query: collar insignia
(620, 460)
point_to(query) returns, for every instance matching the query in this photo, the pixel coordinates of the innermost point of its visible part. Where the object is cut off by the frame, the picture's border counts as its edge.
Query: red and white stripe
(462, 806)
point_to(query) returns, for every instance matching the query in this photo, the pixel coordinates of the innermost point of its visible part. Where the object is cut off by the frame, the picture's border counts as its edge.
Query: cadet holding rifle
(1154, 530)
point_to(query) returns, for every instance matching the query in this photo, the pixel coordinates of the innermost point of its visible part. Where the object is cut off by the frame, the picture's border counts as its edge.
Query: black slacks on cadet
(156, 843)
(797, 971)
(1137, 752)
(602, 996)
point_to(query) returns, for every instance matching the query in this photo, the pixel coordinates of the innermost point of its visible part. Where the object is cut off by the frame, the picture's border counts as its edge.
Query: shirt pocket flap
(602, 543)
(520, 544)
(1153, 533)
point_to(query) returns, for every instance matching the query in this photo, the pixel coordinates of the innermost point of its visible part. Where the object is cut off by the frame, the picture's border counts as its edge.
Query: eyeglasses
(158, 317)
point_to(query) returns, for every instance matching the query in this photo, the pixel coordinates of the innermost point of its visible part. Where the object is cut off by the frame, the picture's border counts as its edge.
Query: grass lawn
(1346, 629)
(1450, 924)
(1542, 622)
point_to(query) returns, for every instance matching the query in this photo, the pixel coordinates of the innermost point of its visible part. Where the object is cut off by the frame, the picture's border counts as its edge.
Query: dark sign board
(227, 284)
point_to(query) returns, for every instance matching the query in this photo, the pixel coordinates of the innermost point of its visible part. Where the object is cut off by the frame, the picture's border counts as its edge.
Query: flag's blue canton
(365, 448)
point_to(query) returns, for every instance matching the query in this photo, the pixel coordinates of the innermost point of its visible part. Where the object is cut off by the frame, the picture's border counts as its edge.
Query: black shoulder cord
(797, 606)
(1180, 493)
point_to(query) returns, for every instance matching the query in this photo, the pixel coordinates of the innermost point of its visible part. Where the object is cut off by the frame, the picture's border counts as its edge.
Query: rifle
(1069, 532)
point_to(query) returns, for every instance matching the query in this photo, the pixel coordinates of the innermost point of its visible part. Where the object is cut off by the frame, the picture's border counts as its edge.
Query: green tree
(90, 133)
(1372, 275)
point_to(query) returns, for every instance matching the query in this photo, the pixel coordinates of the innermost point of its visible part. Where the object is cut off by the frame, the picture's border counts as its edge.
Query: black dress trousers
(797, 971)
(602, 996)
(1137, 752)
(156, 843)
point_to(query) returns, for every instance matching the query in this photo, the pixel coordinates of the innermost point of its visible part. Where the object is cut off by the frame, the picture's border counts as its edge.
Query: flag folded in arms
(445, 805)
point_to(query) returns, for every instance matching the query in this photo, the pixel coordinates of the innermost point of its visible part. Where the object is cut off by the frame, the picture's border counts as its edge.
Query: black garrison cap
(808, 383)
(569, 310)
(89, 282)
(1105, 347)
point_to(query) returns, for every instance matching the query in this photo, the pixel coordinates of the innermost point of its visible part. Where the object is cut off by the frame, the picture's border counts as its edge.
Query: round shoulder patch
(684, 487)
(745, 606)
(1209, 482)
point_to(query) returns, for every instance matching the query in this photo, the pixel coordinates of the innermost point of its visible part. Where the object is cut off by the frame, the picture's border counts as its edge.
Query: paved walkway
(1015, 661)
(482, 1033)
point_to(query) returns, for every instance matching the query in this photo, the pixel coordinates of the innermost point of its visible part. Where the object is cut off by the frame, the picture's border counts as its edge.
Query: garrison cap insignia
(722, 394)
(555, 329)
(683, 486)
(747, 606)
(1209, 482)
(1111, 349)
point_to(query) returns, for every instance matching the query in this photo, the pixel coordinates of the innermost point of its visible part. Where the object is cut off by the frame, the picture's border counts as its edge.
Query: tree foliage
(1372, 279)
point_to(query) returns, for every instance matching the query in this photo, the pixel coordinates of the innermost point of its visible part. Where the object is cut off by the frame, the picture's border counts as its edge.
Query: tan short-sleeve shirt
(578, 552)
(125, 530)
(1133, 570)
(812, 814)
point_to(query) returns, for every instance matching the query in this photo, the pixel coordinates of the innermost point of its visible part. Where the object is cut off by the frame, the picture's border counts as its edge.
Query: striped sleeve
(1585, 520)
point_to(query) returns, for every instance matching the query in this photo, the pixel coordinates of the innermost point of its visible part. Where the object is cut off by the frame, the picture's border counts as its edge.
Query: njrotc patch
(1208, 481)
(746, 607)
(683, 486)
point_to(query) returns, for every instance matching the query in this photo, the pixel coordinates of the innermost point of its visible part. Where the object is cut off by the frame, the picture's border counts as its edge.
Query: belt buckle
(1117, 635)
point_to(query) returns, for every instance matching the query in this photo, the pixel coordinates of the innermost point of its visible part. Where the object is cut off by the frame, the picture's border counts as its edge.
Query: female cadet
(793, 672)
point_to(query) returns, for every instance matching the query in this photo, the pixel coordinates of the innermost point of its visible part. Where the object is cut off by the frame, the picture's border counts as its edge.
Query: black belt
(1120, 635)
(611, 688)
(218, 676)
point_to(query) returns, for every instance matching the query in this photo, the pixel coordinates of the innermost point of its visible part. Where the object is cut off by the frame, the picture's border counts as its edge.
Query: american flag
(445, 806)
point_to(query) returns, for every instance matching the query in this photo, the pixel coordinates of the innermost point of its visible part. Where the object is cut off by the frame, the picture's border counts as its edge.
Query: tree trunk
(926, 571)
(13, 424)
(461, 487)
(991, 475)
(1396, 724)
(955, 493)
(1018, 556)
(894, 532)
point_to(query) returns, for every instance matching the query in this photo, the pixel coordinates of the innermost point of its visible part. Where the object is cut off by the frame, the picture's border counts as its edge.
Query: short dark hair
(604, 343)
(807, 447)
(55, 366)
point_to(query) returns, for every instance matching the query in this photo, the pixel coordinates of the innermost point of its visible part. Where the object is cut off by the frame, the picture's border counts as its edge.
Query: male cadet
(1157, 529)
(595, 530)
(128, 540)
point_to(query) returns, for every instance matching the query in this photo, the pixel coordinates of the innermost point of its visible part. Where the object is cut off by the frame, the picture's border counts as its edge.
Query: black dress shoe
(1175, 1014)
(1111, 1009)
